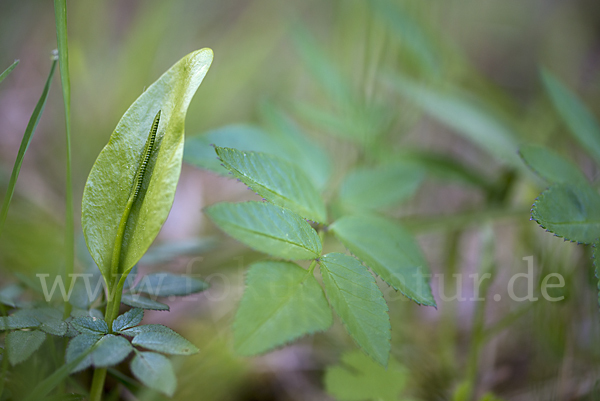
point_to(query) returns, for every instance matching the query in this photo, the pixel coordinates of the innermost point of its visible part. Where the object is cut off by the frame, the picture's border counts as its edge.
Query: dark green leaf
(8, 70)
(137, 301)
(146, 328)
(165, 341)
(267, 228)
(276, 180)
(81, 345)
(22, 344)
(110, 350)
(569, 211)
(90, 325)
(358, 378)
(110, 207)
(356, 298)
(27, 136)
(17, 322)
(167, 284)
(551, 166)
(50, 318)
(579, 119)
(155, 371)
(390, 251)
(282, 302)
(131, 318)
(375, 188)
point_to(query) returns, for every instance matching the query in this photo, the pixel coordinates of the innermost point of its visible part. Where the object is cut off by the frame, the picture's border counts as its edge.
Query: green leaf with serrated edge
(358, 378)
(90, 325)
(276, 180)
(50, 319)
(17, 322)
(155, 371)
(466, 116)
(167, 284)
(356, 298)
(22, 344)
(8, 70)
(551, 166)
(79, 345)
(146, 328)
(579, 119)
(569, 211)
(110, 207)
(267, 228)
(131, 318)
(390, 251)
(376, 188)
(281, 302)
(200, 152)
(165, 341)
(296, 146)
(110, 350)
(137, 301)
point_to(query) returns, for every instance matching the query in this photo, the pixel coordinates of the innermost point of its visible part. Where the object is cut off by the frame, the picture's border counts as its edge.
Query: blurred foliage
(452, 87)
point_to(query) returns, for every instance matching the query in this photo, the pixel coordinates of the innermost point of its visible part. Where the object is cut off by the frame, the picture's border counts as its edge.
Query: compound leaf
(390, 251)
(282, 302)
(358, 378)
(167, 284)
(155, 371)
(131, 318)
(108, 200)
(267, 228)
(276, 180)
(22, 344)
(569, 211)
(356, 298)
(551, 166)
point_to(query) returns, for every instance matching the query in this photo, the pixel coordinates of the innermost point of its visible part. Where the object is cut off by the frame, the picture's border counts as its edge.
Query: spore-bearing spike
(147, 153)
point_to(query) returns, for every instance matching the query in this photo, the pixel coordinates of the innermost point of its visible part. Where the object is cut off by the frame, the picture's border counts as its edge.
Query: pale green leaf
(167, 284)
(390, 251)
(579, 119)
(17, 322)
(81, 345)
(356, 298)
(276, 180)
(110, 350)
(376, 188)
(282, 302)
(155, 371)
(131, 318)
(165, 341)
(267, 228)
(466, 117)
(358, 378)
(138, 301)
(551, 166)
(569, 211)
(22, 344)
(109, 205)
(90, 325)
(8, 70)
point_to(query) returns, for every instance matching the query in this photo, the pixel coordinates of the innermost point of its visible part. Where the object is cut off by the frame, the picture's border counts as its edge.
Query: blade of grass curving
(60, 11)
(8, 70)
(31, 126)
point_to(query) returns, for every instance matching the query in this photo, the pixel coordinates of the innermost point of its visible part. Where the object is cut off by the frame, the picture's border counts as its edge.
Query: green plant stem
(98, 384)
(60, 11)
(27, 136)
(8, 70)
(312, 266)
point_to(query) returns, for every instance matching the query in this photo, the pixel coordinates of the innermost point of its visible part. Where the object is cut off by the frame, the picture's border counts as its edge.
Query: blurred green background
(351, 75)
